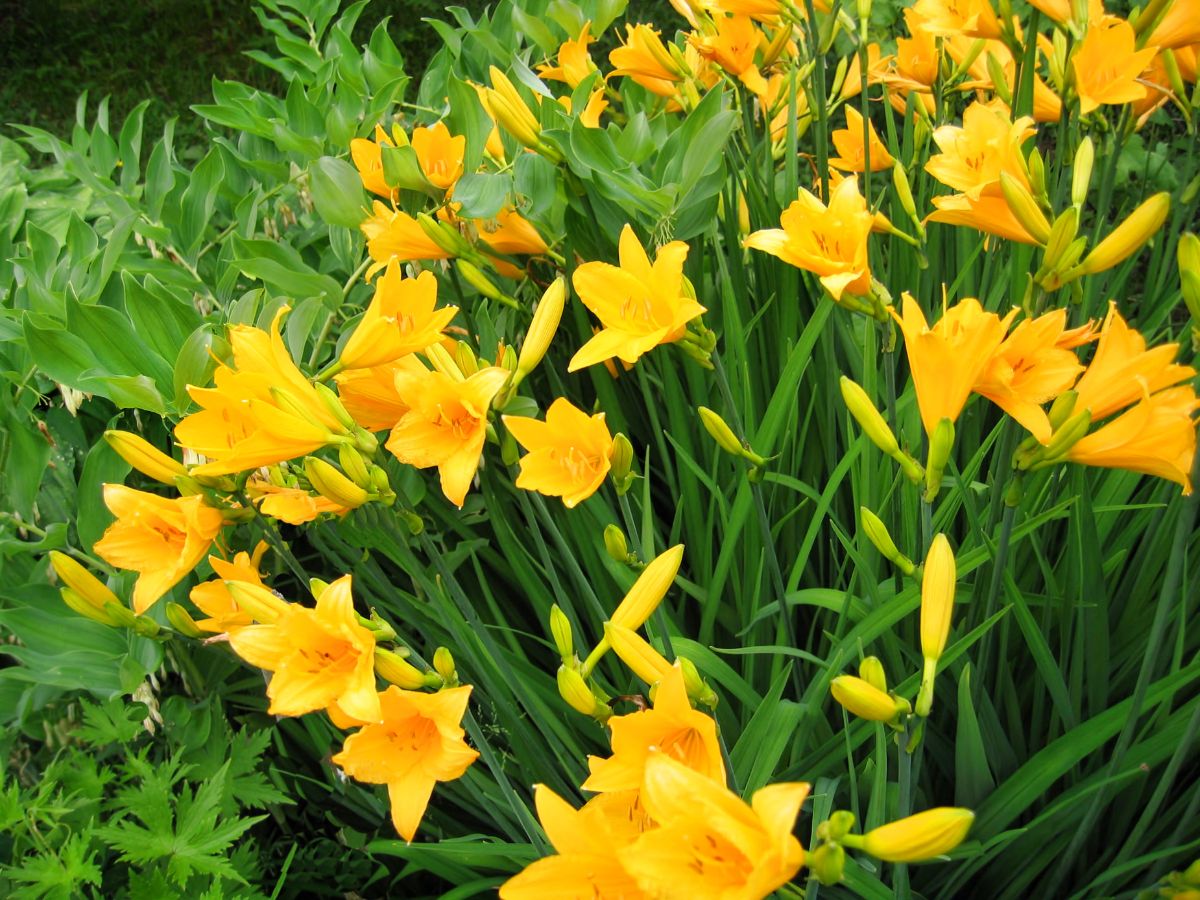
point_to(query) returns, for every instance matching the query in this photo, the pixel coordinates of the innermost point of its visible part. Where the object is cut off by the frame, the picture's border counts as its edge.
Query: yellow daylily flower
(318, 656)
(445, 425)
(401, 319)
(732, 46)
(367, 156)
(710, 842)
(639, 304)
(213, 597)
(568, 453)
(1107, 65)
(160, 538)
(1179, 27)
(830, 242)
(949, 18)
(439, 154)
(290, 504)
(644, 58)
(511, 233)
(672, 727)
(587, 842)
(574, 61)
(948, 359)
(416, 743)
(369, 395)
(852, 154)
(393, 234)
(974, 155)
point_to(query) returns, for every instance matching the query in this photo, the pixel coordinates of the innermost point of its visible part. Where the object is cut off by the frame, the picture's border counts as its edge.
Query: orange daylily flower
(574, 61)
(775, 102)
(644, 58)
(1157, 437)
(511, 233)
(368, 159)
(568, 453)
(830, 242)
(671, 727)
(765, 11)
(1107, 64)
(914, 67)
(317, 656)
(988, 214)
(290, 504)
(400, 320)
(261, 410)
(852, 152)
(877, 68)
(948, 359)
(710, 842)
(392, 234)
(213, 597)
(732, 47)
(1032, 367)
(440, 154)
(1179, 27)
(160, 538)
(369, 395)
(445, 425)
(640, 305)
(950, 18)
(587, 841)
(1060, 10)
(416, 743)
(974, 155)
(1122, 370)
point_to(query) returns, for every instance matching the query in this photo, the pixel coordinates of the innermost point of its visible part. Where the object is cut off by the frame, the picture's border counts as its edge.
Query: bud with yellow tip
(80, 605)
(937, 608)
(719, 430)
(878, 534)
(871, 671)
(262, 604)
(331, 484)
(1188, 253)
(924, 836)
(443, 362)
(560, 630)
(182, 621)
(579, 696)
(145, 457)
(876, 428)
(863, 699)
(1024, 208)
(395, 669)
(649, 589)
(644, 661)
(86, 586)
(543, 327)
(697, 688)
(1128, 237)
(443, 664)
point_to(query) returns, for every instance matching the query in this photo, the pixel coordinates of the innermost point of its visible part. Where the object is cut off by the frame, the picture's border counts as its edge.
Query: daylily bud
(828, 863)
(182, 621)
(145, 457)
(123, 616)
(465, 358)
(1024, 208)
(1081, 172)
(649, 589)
(1037, 176)
(355, 466)
(697, 688)
(86, 609)
(904, 194)
(473, 276)
(720, 431)
(443, 664)
(1062, 233)
(837, 826)
(443, 362)
(941, 442)
(333, 485)
(1062, 408)
(543, 327)
(621, 464)
(333, 403)
(1189, 273)
(1128, 237)
(937, 608)
(863, 699)
(615, 544)
(86, 586)
(560, 630)
(923, 836)
(445, 236)
(878, 534)
(1067, 436)
(394, 668)
(868, 417)
(263, 604)
(645, 662)
(579, 696)
(871, 671)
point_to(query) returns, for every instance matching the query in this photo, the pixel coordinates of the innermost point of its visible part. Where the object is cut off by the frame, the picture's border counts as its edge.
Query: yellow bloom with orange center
(160, 538)
(949, 18)
(732, 47)
(568, 453)
(644, 58)
(1157, 437)
(317, 656)
(368, 159)
(261, 410)
(440, 154)
(213, 597)
(393, 234)
(574, 61)
(948, 359)
(1122, 370)
(1032, 367)
(640, 305)
(401, 319)
(369, 395)
(1107, 65)
(511, 233)
(974, 155)
(445, 425)
(671, 727)
(852, 152)
(830, 242)
(711, 843)
(586, 842)
(417, 742)
(290, 504)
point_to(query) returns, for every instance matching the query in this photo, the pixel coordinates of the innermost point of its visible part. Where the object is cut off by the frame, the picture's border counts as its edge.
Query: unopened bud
(145, 457)
(649, 589)
(473, 276)
(1024, 208)
(621, 461)
(543, 327)
(828, 863)
(333, 403)
(635, 651)
(863, 699)
(878, 534)
(355, 466)
(579, 696)
(261, 603)
(697, 688)
(86, 609)
(837, 826)
(1128, 237)
(868, 417)
(86, 586)
(871, 671)
(1068, 435)
(333, 485)
(560, 630)
(923, 836)
(1081, 172)
(182, 621)
(465, 358)
(941, 442)
(719, 430)
(615, 544)
(443, 664)
(445, 236)
(1062, 408)
(395, 669)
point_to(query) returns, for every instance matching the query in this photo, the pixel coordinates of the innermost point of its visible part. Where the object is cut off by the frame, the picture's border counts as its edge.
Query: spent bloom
(568, 453)
(160, 538)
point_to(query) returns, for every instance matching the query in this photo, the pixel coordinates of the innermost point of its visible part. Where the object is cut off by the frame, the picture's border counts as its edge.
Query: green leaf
(482, 196)
(337, 192)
